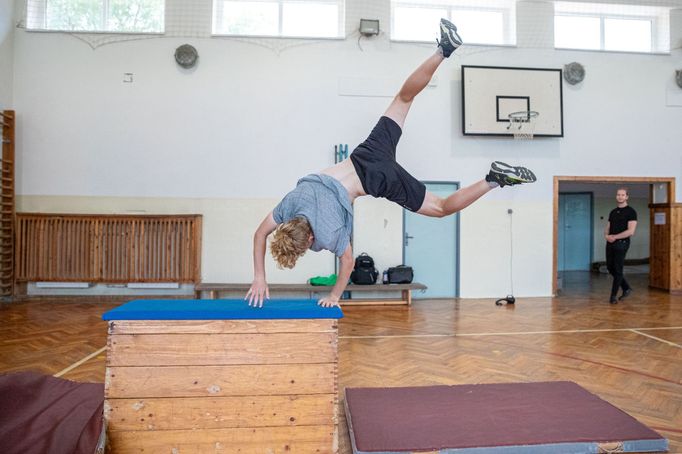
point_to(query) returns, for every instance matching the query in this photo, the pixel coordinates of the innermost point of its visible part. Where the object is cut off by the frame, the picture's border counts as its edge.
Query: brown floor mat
(43, 414)
(511, 418)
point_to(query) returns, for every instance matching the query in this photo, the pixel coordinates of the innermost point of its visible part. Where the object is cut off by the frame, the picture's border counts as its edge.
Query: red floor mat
(43, 414)
(531, 416)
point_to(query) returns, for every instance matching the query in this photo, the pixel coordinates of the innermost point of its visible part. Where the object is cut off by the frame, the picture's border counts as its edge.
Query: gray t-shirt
(325, 203)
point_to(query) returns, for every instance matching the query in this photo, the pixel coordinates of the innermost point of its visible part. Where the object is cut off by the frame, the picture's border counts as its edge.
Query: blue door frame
(457, 237)
(591, 226)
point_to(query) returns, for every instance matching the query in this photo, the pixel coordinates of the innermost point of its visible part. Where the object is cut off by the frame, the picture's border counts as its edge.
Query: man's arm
(346, 267)
(608, 237)
(259, 288)
(632, 226)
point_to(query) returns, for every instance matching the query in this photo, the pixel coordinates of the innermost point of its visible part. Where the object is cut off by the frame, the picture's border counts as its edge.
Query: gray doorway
(431, 247)
(575, 231)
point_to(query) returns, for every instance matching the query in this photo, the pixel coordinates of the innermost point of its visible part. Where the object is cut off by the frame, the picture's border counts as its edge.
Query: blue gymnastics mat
(223, 309)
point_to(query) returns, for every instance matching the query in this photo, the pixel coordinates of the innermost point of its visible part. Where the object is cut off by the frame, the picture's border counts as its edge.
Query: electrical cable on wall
(509, 299)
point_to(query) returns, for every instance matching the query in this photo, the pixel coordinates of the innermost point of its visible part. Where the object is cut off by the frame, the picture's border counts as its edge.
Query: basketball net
(522, 124)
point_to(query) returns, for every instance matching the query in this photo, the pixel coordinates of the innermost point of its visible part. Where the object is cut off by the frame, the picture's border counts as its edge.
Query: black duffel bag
(400, 274)
(364, 272)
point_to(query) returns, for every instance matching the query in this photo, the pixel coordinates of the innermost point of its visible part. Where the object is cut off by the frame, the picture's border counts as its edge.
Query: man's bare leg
(433, 205)
(397, 111)
(414, 84)
(448, 43)
(438, 207)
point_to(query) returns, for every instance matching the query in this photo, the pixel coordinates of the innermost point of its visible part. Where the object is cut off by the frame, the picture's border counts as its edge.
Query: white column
(535, 24)
(6, 53)
(189, 18)
(676, 30)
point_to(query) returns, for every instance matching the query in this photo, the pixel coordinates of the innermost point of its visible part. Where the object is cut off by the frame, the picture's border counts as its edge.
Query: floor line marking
(591, 361)
(78, 363)
(659, 328)
(517, 333)
(657, 338)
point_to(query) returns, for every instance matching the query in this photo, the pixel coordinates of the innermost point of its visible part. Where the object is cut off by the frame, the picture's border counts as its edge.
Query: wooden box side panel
(222, 326)
(219, 381)
(275, 440)
(221, 349)
(161, 414)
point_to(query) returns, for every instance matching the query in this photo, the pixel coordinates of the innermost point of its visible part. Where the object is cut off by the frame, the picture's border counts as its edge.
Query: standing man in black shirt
(621, 226)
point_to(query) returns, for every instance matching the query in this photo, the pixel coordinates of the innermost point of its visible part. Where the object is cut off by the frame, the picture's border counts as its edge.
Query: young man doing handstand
(318, 213)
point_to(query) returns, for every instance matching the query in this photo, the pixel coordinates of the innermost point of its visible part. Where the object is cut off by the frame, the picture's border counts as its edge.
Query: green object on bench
(323, 280)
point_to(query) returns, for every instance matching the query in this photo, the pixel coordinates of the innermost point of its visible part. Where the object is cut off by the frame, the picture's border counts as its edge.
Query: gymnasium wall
(230, 137)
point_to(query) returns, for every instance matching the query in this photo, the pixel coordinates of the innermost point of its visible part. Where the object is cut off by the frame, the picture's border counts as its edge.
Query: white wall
(229, 138)
(6, 53)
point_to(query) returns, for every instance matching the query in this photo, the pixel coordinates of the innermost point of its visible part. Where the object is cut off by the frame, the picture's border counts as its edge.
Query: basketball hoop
(522, 123)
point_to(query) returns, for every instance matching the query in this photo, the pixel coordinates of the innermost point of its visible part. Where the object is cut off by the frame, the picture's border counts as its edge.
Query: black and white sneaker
(506, 175)
(449, 39)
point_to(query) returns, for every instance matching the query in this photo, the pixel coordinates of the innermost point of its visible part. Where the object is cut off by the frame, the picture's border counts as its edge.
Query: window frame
(280, 3)
(652, 31)
(508, 14)
(602, 30)
(41, 5)
(658, 16)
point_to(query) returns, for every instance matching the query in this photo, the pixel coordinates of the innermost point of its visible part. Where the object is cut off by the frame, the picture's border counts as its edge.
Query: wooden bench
(214, 289)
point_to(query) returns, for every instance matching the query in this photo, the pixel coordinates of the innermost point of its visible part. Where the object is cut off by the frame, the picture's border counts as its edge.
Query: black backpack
(364, 272)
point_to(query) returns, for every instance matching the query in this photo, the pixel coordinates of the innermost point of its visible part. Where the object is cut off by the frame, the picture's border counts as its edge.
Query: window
(627, 34)
(417, 20)
(280, 18)
(566, 35)
(126, 16)
(611, 27)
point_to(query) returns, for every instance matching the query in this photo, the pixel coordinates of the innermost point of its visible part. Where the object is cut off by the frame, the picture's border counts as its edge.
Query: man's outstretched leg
(420, 78)
(374, 160)
(500, 174)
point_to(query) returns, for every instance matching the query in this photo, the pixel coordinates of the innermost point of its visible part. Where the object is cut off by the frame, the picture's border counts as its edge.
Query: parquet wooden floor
(629, 354)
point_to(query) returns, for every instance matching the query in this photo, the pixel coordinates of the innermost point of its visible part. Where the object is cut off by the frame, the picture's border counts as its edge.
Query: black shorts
(380, 174)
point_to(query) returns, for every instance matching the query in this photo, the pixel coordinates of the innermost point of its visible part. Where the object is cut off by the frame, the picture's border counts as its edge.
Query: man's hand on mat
(330, 301)
(257, 293)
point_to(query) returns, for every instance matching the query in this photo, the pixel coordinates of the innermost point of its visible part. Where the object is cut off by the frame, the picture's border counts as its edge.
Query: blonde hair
(290, 241)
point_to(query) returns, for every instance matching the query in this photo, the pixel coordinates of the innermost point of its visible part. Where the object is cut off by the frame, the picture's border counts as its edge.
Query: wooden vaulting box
(197, 376)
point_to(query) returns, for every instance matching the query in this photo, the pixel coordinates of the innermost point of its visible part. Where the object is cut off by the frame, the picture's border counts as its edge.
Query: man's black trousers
(615, 260)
